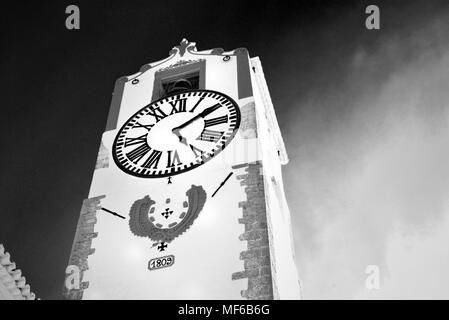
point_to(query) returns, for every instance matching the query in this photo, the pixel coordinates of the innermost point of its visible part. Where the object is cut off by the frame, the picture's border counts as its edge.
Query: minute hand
(202, 114)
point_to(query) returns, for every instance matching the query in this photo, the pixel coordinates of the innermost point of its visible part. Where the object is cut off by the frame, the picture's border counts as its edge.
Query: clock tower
(187, 198)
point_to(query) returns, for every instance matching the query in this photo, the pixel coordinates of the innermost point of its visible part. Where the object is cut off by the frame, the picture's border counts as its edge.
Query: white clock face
(176, 134)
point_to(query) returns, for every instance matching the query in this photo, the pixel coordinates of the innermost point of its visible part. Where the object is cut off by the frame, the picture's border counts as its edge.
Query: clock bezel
(204, 159)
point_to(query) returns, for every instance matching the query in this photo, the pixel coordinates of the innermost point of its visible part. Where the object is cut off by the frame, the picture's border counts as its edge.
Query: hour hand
(206, 111)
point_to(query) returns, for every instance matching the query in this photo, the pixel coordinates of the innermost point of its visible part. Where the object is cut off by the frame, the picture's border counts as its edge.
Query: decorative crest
(184, 46)
(142, 222)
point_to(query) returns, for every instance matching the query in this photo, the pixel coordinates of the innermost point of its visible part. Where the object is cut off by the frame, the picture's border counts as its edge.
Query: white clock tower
(187, 198)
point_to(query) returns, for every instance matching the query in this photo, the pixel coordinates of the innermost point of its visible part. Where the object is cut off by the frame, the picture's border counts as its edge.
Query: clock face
(176, 134)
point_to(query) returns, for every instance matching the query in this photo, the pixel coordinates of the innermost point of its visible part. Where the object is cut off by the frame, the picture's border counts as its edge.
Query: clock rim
(164, 175)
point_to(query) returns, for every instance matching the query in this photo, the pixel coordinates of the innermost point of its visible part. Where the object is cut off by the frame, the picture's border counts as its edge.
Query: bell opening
(181, 85)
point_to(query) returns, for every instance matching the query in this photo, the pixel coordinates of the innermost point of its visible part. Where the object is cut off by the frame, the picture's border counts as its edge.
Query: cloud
(369, 163)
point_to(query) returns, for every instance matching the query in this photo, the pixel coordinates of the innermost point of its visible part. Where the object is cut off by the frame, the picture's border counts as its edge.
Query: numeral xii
(178, 105)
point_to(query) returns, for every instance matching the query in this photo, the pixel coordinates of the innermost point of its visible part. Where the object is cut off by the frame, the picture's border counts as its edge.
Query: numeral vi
(173, 159)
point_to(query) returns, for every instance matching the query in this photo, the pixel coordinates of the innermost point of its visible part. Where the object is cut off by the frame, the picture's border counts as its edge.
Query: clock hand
(113, 213)
(202, 114)
(178, 134)
(206, 111)
(222, 184)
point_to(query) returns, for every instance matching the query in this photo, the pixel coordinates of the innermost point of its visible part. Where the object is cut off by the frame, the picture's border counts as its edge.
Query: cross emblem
(167, 213)
(162, 246)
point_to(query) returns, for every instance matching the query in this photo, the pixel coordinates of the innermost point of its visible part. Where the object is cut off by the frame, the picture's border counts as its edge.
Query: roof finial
(183, 45)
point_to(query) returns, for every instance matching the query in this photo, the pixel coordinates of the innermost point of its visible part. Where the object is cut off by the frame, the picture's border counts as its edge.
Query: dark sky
(56, 87)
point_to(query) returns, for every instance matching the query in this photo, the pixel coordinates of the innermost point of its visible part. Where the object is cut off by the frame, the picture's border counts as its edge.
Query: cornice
(12, 279)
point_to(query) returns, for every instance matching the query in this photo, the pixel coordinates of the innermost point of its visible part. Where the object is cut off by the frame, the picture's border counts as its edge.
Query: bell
(179, 86)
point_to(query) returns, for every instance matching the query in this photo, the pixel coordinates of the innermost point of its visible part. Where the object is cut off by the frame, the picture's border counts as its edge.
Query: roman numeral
(138, 140)
(196, 150)
(215, 121)
(145, 126)
(153, 159)
(138, 153)
(181, 103)
(157, 113)
(171, 160)
(196, 105)
(210, 135)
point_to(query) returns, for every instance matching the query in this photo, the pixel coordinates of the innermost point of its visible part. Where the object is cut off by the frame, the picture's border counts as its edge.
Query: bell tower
(187, 198)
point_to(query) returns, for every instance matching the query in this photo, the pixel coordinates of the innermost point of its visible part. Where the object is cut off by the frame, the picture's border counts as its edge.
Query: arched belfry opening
(183, 84)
